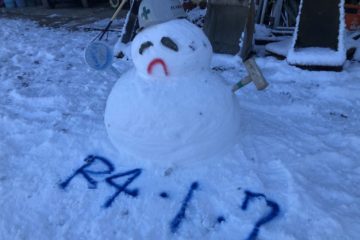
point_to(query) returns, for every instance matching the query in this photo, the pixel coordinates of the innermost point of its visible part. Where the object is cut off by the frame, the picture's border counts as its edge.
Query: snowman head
(171, 49)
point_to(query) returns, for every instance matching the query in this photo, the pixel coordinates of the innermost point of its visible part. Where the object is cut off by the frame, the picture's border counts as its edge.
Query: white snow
(280, 48)
(264, 33)
(353, 41)
(261, 31)
(197, 15)
(316, 56)
(299, 146)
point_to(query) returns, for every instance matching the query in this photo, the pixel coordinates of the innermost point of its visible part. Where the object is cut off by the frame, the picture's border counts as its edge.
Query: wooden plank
(255, 74)
(263, 12)
(224, 25)
(277, 11)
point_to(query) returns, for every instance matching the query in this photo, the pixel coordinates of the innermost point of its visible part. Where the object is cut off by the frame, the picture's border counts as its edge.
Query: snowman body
(171, 107)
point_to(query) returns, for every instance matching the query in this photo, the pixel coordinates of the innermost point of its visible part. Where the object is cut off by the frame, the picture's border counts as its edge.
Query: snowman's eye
(169, 43)
(145, 46)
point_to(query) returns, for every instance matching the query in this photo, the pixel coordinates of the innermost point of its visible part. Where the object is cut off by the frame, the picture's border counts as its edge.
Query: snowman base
(172, 119)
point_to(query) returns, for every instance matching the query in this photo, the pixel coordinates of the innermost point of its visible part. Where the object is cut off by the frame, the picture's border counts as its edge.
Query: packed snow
(280, 48)
(171, 106)
(298, 146)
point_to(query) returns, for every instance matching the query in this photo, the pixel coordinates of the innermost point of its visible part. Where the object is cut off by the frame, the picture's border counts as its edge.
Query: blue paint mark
(175, 223)
(85, 172)
(123, 187)
(164, 195)
(220, 219)
(275, 209)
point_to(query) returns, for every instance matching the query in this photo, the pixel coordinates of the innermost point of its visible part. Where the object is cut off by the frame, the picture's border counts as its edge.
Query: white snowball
(194, 49)
(189, 114)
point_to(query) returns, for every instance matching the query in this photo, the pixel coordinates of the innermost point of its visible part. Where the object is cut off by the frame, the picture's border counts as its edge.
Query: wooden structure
(320, 28)
(230, 27)
(226, 21)
(277, 13)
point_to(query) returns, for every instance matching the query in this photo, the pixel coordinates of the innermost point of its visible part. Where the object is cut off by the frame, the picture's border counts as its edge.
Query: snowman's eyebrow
(145, 46)
(169, 43)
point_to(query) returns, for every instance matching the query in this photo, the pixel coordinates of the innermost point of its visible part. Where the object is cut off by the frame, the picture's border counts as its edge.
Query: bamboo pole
(113, 18)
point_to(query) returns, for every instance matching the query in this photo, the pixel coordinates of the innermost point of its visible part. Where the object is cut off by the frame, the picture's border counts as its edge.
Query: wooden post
(224, 24)
(255, 74)
(263, 12)
(277, 10)
(85, 3)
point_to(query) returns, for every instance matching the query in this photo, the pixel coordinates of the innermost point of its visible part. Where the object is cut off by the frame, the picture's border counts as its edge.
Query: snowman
(171, 106)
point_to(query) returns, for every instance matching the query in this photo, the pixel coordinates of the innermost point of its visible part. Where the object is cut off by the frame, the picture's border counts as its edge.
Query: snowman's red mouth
(155, 62)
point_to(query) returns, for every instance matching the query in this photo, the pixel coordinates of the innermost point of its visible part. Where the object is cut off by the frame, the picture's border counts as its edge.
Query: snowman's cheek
(141, 61)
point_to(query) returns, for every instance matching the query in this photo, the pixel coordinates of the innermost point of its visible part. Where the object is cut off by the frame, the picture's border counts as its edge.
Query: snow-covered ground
(299, 147)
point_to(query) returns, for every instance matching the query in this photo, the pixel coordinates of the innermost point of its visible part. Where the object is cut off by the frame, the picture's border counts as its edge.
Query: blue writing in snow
(86, 172)
(123, 187)
(96, 166)
(175, 223)
(267, 218)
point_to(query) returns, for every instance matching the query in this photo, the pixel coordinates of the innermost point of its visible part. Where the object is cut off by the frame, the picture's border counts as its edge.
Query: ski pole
(112, 19)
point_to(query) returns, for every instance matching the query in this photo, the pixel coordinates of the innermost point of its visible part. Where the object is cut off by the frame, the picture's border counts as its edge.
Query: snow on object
(353, 41)
(279, 48)
(171, 106)
(315, 56)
